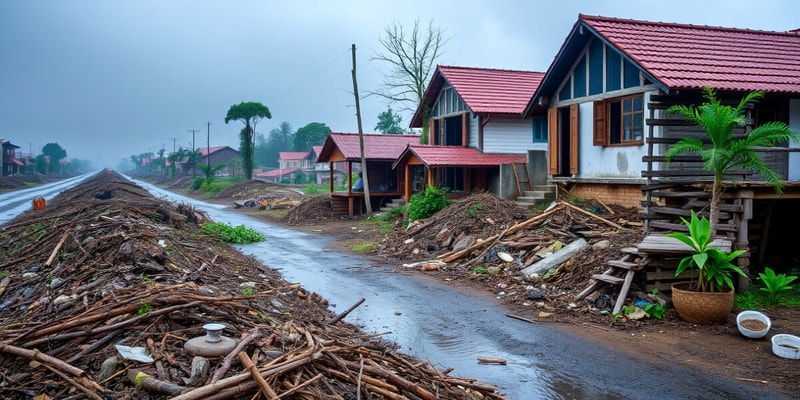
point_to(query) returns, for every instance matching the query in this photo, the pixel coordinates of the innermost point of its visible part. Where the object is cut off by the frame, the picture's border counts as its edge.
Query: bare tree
(412, 58)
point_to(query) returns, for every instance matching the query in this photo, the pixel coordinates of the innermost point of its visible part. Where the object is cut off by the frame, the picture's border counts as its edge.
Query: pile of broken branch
(502, 239)
(103, 288)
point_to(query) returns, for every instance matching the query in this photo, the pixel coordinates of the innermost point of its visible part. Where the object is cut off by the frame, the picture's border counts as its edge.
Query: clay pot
(701, 307)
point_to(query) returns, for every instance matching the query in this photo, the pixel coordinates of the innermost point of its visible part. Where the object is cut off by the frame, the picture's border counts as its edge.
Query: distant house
(293, 159)
(478, 112)
(277, 175)
(322, 170)
(10, 163)
(212, 156)
(381, 151)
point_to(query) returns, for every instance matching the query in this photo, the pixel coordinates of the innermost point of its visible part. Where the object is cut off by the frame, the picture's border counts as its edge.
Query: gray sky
(109, 79)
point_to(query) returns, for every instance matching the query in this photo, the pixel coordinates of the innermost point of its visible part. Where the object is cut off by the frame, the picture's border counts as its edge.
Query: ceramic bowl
(786, 346)
(754, 315)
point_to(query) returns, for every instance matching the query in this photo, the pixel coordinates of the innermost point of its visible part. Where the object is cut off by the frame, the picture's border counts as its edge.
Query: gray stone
(534, 294)
(463, 243)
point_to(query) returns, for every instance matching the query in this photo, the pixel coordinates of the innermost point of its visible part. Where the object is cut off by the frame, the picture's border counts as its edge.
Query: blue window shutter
(613, 71)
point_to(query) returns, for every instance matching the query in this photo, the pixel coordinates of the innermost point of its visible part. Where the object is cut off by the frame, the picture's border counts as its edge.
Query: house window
(619, 121)
(539, 129)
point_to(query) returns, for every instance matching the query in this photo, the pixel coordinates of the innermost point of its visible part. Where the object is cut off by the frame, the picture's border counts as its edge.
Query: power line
(315, 73)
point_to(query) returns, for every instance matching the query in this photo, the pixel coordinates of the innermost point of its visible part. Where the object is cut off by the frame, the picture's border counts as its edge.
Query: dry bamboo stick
(42, 358)
(489, 360)
(75, 383)
(397, 380)
(225, 365)
(595, 217)
(55, 250)
(249, 366)
(145, 381)
(207, 390)
(301, 386)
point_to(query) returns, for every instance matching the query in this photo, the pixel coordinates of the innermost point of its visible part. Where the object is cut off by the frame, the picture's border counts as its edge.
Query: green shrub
(775, 284)
(230, 234)
(197, 182)
(427, 203)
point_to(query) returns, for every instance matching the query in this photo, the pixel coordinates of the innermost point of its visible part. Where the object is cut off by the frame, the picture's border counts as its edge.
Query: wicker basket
(701, 307)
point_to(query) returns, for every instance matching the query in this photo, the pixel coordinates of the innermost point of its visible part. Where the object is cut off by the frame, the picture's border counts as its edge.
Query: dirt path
(713, 349)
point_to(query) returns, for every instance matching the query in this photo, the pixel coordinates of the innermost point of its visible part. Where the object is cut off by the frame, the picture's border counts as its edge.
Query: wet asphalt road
(434, 322)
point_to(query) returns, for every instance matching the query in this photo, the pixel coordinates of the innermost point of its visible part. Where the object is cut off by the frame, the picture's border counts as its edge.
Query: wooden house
(478, 114)
(381, 151)
(605, 99)
(10, 163)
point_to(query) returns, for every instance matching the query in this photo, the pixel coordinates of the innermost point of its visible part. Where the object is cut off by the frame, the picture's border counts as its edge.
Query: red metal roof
(449, 156)
(484, 90)
(277, 172)
(694, 56)
(292, 155)
(376, 146)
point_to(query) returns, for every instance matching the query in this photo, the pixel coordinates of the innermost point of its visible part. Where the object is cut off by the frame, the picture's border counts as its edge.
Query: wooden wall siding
(509, 135)
(473, 132)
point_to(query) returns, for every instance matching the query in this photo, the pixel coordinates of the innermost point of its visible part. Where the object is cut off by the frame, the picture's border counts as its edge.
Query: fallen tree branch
(249, 366)
(42, 358)
(55, 250)
(596, 217)
(345, 312)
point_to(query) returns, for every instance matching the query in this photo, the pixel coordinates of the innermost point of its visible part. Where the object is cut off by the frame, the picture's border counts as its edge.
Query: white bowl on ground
(753, 315)
(786, 346)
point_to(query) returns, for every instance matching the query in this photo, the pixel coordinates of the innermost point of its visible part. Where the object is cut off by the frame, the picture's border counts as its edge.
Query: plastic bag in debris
(134, 353)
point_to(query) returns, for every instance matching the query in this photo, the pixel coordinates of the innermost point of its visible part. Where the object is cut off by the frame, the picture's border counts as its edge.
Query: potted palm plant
(721, 153)
(708, 299)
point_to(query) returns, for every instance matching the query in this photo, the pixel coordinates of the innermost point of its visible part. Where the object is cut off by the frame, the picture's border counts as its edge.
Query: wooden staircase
(620, 273)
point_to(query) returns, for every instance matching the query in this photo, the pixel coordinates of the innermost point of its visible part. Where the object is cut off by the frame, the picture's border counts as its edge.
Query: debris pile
(246, 189)
(103, 289)
(311, 211)
(487, 238)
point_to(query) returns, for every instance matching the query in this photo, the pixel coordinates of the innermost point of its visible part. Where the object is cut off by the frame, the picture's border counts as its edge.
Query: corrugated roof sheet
(376, 146)
(445, 156)
(694, 56)
(484, 90)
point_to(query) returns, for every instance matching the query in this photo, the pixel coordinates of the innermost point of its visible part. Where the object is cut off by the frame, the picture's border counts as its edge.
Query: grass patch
(313, 189)
(363, 247)
(755, 299)
(232, 234)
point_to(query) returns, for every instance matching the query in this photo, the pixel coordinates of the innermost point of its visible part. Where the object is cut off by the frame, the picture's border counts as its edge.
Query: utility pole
(194, 167)
(208, 145)
(361, 139)
(173, 145)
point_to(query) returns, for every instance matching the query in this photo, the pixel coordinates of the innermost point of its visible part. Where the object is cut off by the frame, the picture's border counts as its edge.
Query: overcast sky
(108, 79)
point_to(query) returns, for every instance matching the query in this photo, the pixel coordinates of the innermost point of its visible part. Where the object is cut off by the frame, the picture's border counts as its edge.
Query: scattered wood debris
(107, 267)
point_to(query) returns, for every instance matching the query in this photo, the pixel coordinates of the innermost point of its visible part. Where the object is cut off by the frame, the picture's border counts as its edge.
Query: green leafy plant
(713, 265)
(775, 284)
(481, 271)
(654, 310)
(364, 247)
(147, 280)
(246, 291)
(144, 308)
(423, 205)
(3, 273)
(232, 234)
(313, 189)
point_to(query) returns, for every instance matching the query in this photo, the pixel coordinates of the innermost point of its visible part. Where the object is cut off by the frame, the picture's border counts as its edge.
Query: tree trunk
(716, 193)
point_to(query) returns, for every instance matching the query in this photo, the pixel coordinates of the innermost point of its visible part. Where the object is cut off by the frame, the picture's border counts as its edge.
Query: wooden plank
(678, 158)
(623, 292)
(668, 122)
(682, 228)
(693, 172)
(686, 213)
(608, 278)
(625, 265)
(658, 244)
(662, 193)
(664, 274)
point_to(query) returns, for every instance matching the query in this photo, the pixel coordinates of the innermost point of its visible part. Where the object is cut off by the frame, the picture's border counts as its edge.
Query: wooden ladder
(522, 177)
(621, 272)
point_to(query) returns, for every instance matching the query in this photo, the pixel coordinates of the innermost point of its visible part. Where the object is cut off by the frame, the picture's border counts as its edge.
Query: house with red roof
(322, 170)
(605, 99)
(10, 163)
(476, 115)
(380, 151)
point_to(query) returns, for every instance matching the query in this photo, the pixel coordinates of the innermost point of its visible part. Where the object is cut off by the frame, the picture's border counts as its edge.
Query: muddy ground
(714, 349)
